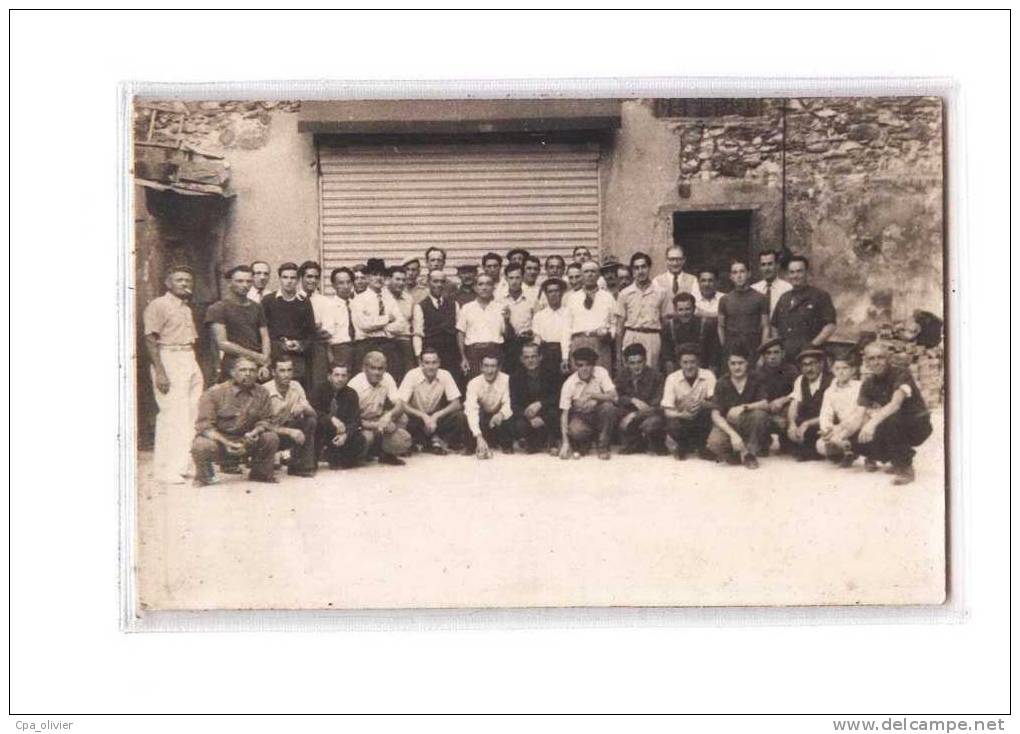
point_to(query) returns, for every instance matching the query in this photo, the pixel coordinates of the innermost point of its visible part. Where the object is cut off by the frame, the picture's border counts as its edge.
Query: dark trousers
(644, 430)
(552, 354)
(753, 428)
(318, 360)
(343, 354)
(205, 451)
(400, 359)
(805, 450)
(501, 436)
(895, 439)
(597, 424)
(475, 352)
(348, 455)
(302, 457)
(451, 428)
(690, 434)
(537, 438)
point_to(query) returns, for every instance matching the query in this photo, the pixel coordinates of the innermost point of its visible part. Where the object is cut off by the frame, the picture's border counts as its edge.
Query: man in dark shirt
(777, 376)
(234, 421)
(804, 316)
(639, 397)
(534, 398)
(895, 419)
(238, 325)
(339, 439)
(740, 419)
(466, 290)
(291, 323)
(684, 327)
(743, 314)
(806, 404)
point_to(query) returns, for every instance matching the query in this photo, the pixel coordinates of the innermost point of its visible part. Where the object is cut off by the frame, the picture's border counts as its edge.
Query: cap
(375, 266)
(811, 352)
(774, 342)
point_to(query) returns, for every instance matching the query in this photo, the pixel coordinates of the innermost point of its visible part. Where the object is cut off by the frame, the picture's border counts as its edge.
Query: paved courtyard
(536, 531)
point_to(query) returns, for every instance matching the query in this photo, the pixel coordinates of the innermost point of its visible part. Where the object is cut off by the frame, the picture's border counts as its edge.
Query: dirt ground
(536, 531)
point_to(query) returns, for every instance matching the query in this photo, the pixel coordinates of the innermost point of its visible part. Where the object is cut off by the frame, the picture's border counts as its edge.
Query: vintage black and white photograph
(549, 352)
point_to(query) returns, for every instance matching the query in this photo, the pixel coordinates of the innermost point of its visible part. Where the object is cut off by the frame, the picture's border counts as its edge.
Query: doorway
(713, 239)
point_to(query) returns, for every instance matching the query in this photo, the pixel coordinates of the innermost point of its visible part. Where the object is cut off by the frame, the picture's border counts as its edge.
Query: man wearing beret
(806, 404)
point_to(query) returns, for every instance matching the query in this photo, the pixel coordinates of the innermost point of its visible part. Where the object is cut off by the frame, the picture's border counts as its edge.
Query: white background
(68, 657)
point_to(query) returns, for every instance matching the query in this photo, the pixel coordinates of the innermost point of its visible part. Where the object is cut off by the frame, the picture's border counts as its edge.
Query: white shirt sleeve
(471, 406)
(417, 320)
(462, 320)
(825, 416)
(566, 392)
(669, 393)
(406, 389)
(795, 393)
(449, 386)
(392, 393)
(505, 410)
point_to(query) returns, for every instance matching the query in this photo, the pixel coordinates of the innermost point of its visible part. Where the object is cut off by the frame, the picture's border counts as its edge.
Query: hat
(180, 268)
(467, 268)
(375, 266)
(811, 352)
(775, 342)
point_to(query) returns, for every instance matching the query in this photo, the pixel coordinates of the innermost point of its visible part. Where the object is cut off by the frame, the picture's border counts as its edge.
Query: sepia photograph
(548, 352)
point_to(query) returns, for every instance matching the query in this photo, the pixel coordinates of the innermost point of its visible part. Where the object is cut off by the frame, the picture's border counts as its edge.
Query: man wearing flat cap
(170, 336)
(806, 404)
(777, 375)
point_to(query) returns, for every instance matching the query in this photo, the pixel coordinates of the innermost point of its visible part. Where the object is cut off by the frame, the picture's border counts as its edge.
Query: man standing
(466, 290)
(687, 402)
(431, 400)
(488, 408)
(341, 327)
(743, 314)
(740, 419)
(238, 325)
(639, 388)
(771, 285)
(310, 275)
(624, 276)
(234, 421)
(492, 265)
(170, 336)
(549, 326)
(521, 310)
(895, 419)
(291, 323)
(339, 439)
(581, 255)
(574, 278)
(400, 329)
(777, 377)
(482, 325)
(640, 310)
(804, 316)
(532, 282)
(293, 418)
(413, 285)
(382, 411)
(706, 300)
(806, 404)
(435, 326)
(587, 406)
(590, 317)
(675, 280)
(374, 312)
(259, 280)
(360, 279)
(555, 267)
(534, 396)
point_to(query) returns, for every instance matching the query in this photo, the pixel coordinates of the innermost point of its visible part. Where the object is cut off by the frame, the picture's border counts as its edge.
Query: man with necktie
(675, 280)
(341, 326)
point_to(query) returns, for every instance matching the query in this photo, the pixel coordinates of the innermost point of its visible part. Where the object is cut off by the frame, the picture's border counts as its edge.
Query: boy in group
(895, 420)
(293, 418)
(587, 407)
(382, 411)
(639, 390)
(238, 325)
(840, 411)
(778, 376)
(687, 402)
(743, 314)
(339, 439)
(431, 400)
(640, 310)
(549, 326)
(740, 419)
(534, 397)
(686, 327)
(291, 323)
(806, 404)
(488, 408)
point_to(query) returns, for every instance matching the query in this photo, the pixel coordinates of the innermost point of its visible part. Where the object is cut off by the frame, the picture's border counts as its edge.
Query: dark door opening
(713, 239)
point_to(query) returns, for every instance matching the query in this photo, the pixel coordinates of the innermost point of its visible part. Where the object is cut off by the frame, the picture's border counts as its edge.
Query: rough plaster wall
(865, 202)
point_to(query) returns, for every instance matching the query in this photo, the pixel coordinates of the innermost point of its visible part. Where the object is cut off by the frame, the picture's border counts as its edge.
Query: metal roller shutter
(395, 201)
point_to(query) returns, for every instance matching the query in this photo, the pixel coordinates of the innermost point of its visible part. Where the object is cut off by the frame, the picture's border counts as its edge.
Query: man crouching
(382, 411)
(740, 419)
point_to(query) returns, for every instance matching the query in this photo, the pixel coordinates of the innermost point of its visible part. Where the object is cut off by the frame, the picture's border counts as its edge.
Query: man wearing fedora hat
(806, 404)
(373, 311)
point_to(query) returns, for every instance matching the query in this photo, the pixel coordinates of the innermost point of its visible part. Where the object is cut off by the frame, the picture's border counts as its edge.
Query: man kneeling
(382, 411)
(740, 419)
(339, 438)
(488, 410)
(639, 388)
(534, 398)
(234, 422)
(293, 418)
(431, 401)
(687, 401)
(588, 407)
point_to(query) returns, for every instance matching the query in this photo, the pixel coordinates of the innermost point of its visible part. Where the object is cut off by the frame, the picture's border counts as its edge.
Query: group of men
(520, 355)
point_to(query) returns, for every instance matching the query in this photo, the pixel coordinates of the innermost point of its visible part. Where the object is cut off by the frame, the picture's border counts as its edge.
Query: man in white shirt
(675, 280)
(806, 404)
(573, 276)
(373, 311)
(383, 422)
(400, 330)
(488, 409)
(640, 310)
(588, 407)
(293, 418)
(341, 326)
(687, 401)
(260, 273)
(482, 325)
(431, 398)
(522, 310)
(840, 414)
(492, 265)
(771, 285)
(590, 317)
(532, 279)
(550, 328)
(706, 298)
